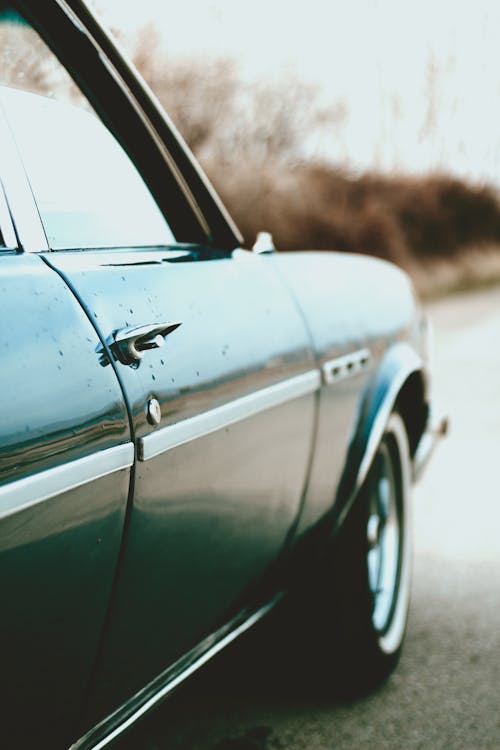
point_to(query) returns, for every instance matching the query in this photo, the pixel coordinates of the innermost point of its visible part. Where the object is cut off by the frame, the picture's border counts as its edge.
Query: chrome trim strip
(157, 140)
(6, 226)
(24, 493)
(437, 427)
(222, 416)
(94, 739)
(20, 198)
(344, 367)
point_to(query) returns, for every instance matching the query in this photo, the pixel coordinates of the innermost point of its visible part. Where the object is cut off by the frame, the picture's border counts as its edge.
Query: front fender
(401, 371)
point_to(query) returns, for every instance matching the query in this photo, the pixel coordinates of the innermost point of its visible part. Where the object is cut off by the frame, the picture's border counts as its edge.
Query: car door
(65, 458)
(223, 414)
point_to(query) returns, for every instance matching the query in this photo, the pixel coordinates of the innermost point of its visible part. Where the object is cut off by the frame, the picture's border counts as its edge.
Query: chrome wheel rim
(384, 540)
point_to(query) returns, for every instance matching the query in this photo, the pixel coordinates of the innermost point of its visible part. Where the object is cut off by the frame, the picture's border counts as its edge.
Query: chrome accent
(73, 17)
(148, 125)
(144, 257)
(264, 243)
(383, 534)
(124, 87)
(437, 427)
(410, 363)
(109, 729)
(373, 531)
(396, 589)
(6, 225)
(426, 331)
(153, 412)
(24, 493)
(186, 430)
(346, 366)
(129, 344)
(383, 414)
(25, 217)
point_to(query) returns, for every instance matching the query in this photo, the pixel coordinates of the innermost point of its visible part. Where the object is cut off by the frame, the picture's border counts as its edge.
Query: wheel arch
(398, 384)
(411, 404)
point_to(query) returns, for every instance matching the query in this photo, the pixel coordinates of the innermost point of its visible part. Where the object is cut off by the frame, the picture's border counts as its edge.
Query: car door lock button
(153, 412)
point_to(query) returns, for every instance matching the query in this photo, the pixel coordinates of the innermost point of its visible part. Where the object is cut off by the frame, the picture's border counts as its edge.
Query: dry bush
(228, 121)
(27, 63)
(250, 136)
(398, 218)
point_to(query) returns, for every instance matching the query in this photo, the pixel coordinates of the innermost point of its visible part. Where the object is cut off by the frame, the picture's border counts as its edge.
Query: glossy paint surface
(350, 303)
(57, 556)
(61, 404)
(210, 515)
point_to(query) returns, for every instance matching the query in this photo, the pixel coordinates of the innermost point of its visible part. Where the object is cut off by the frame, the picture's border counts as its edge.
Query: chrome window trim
(160, 145)
(6, 226)
(346, 366)
(24, 493)
(195, 427)
(191, 179)
(23, 210)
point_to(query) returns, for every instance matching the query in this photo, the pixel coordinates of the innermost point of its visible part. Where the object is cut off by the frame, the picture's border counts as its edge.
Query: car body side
(349, 327)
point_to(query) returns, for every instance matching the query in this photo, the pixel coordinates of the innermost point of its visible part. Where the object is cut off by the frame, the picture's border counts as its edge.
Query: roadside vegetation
(443, 231)
(260, 142)
(257, 140)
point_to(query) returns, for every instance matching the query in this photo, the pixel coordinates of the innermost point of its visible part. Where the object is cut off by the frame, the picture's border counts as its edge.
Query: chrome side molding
(186, 430)
(344, 367)
(34, 489)
(161, 687)
(222, 416)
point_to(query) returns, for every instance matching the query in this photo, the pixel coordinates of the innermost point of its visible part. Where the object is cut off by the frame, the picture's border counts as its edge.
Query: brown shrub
(250, 139)
(396, 217)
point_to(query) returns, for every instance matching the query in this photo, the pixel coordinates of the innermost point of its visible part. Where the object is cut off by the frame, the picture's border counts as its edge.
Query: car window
(88, 192)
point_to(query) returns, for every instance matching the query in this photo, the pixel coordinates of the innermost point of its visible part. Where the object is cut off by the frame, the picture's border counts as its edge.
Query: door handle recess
(128, 345)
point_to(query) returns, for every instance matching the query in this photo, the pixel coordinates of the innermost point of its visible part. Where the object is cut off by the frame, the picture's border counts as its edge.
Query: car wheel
(372, 569)
(340, 632)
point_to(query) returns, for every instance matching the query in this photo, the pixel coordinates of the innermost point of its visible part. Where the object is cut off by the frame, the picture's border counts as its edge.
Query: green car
(192, 434)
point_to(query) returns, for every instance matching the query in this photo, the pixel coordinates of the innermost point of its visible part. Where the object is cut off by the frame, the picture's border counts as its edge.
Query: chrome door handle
(129, 344)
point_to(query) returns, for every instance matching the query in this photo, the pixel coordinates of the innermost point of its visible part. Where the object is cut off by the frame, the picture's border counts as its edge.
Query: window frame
(130, 111)
(57, 121)
(21, 223)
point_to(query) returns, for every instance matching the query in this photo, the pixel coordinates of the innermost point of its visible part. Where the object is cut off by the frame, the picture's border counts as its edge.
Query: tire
(336, 635)
(371, 571)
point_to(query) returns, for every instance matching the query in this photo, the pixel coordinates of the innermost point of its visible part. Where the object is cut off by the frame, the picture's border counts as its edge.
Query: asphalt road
(446, 690)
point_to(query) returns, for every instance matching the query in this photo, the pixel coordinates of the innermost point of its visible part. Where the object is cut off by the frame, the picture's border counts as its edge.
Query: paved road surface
(445, 693)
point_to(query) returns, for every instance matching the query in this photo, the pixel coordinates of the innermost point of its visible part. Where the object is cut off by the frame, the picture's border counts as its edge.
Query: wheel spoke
(383, 535)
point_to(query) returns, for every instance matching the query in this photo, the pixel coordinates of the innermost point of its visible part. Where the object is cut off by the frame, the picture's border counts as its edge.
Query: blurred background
(369, 126)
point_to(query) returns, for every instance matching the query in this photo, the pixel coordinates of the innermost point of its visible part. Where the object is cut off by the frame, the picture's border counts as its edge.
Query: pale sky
(420, 81)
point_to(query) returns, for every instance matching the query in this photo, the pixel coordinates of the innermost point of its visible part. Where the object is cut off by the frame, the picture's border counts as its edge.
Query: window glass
(88, 192)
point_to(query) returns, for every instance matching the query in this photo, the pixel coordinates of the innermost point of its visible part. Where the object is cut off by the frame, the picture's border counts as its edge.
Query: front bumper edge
(438, 426)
